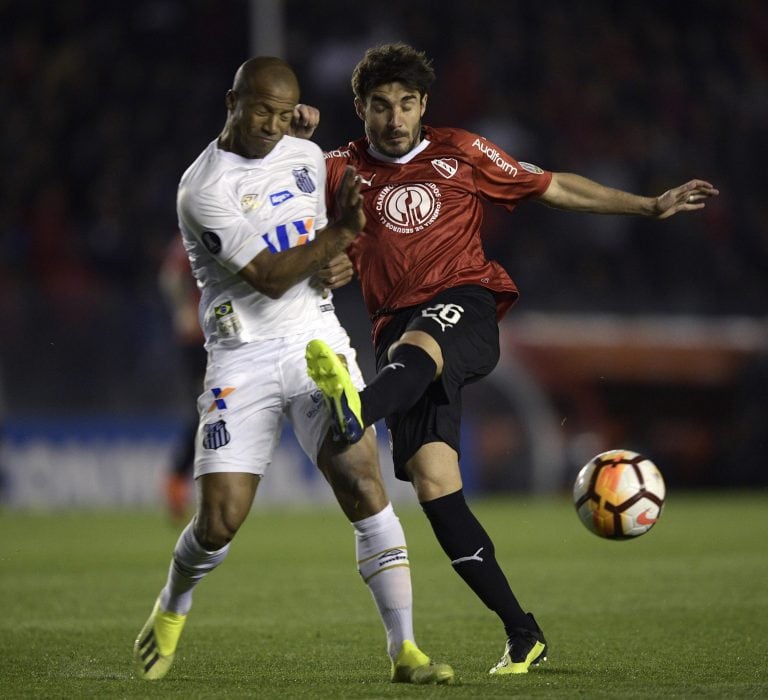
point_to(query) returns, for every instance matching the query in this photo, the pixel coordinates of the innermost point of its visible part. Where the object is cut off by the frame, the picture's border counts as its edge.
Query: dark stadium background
(629, 333)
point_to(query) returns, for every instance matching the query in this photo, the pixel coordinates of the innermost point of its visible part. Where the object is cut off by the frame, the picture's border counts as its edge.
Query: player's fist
(335, 274)
(304, 121)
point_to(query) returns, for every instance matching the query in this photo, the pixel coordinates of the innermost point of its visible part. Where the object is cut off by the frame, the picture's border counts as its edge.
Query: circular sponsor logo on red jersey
(408, 208)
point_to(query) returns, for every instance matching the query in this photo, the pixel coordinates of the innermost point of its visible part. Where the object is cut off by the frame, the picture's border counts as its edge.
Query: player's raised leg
(341, 396)
(397, 386)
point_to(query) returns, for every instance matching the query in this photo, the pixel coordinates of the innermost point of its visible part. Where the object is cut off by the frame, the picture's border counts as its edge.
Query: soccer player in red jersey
(436, 300)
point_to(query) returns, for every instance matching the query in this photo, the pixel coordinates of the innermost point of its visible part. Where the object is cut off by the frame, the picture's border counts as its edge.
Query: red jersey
(424, 217)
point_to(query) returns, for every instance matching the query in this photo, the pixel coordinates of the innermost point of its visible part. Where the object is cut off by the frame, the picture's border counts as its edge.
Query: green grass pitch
(680, 612)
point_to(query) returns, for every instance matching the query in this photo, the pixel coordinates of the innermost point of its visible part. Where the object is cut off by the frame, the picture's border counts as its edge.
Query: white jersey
(232, 208)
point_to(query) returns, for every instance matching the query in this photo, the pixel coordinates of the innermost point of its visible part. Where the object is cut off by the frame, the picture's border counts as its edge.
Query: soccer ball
(619, 494)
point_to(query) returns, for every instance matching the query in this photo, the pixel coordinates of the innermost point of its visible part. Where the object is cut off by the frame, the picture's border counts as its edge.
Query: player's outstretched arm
(577, 193)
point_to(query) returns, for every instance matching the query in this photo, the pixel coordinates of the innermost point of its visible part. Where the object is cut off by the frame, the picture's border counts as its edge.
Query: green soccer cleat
(526, 648)
(155, 647)
(413, 666)
(342, 398)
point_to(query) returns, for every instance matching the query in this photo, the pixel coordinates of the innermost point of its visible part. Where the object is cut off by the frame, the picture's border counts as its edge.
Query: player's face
(260, 117)
(392, 115)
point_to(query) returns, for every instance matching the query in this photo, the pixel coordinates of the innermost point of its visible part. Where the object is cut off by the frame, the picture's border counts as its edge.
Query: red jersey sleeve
(499, 177)
(335, 164)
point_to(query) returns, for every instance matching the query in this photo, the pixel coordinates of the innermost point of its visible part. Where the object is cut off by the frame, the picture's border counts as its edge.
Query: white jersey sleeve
(224, 230)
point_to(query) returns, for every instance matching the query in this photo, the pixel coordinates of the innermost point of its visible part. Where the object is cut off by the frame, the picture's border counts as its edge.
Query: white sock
(382, 560)
(189, 564)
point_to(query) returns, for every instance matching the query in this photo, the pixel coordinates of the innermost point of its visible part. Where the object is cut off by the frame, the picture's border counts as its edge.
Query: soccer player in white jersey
(252, 214)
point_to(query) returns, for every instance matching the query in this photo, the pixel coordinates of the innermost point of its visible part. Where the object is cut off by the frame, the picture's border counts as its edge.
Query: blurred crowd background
(105, 104)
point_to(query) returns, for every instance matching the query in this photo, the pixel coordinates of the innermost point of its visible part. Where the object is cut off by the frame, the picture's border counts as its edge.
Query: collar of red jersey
(400, 159)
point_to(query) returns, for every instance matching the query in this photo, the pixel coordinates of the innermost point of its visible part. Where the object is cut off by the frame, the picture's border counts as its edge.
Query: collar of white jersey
(407, 158)
(236, 159)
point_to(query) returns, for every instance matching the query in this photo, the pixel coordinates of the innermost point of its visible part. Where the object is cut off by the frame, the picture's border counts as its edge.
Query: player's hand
(688, 197)
(335, 274)
(350, 202)
(304, 121)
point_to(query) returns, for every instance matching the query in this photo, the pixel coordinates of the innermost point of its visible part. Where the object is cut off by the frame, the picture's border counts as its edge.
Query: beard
(395, 144)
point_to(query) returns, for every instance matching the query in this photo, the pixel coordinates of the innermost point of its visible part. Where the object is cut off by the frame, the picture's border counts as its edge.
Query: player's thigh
(240, 410)
(462, 322)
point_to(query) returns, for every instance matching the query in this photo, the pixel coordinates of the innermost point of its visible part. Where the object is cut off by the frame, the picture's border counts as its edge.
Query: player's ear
(229, 99)
(423, 103)
(359, 108)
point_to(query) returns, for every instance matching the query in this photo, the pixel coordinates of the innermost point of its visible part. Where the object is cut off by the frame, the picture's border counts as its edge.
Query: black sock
(472, 554)
(399, 385)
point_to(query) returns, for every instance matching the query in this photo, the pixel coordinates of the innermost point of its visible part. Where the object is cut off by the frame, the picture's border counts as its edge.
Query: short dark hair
(392, 63)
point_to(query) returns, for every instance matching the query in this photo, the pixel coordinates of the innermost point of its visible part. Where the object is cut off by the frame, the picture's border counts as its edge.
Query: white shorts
(250, 388)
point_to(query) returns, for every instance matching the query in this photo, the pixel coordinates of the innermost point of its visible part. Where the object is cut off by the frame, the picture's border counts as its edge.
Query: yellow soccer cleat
(526, 648)
(155, 647)
(342, 398)
(413, 666)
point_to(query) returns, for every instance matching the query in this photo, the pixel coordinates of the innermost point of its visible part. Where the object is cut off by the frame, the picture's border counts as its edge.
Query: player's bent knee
(213, 537)
(214, 530)
(225, 501)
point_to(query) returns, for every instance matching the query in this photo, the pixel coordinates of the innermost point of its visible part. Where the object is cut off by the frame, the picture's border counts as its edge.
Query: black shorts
(463, 322)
